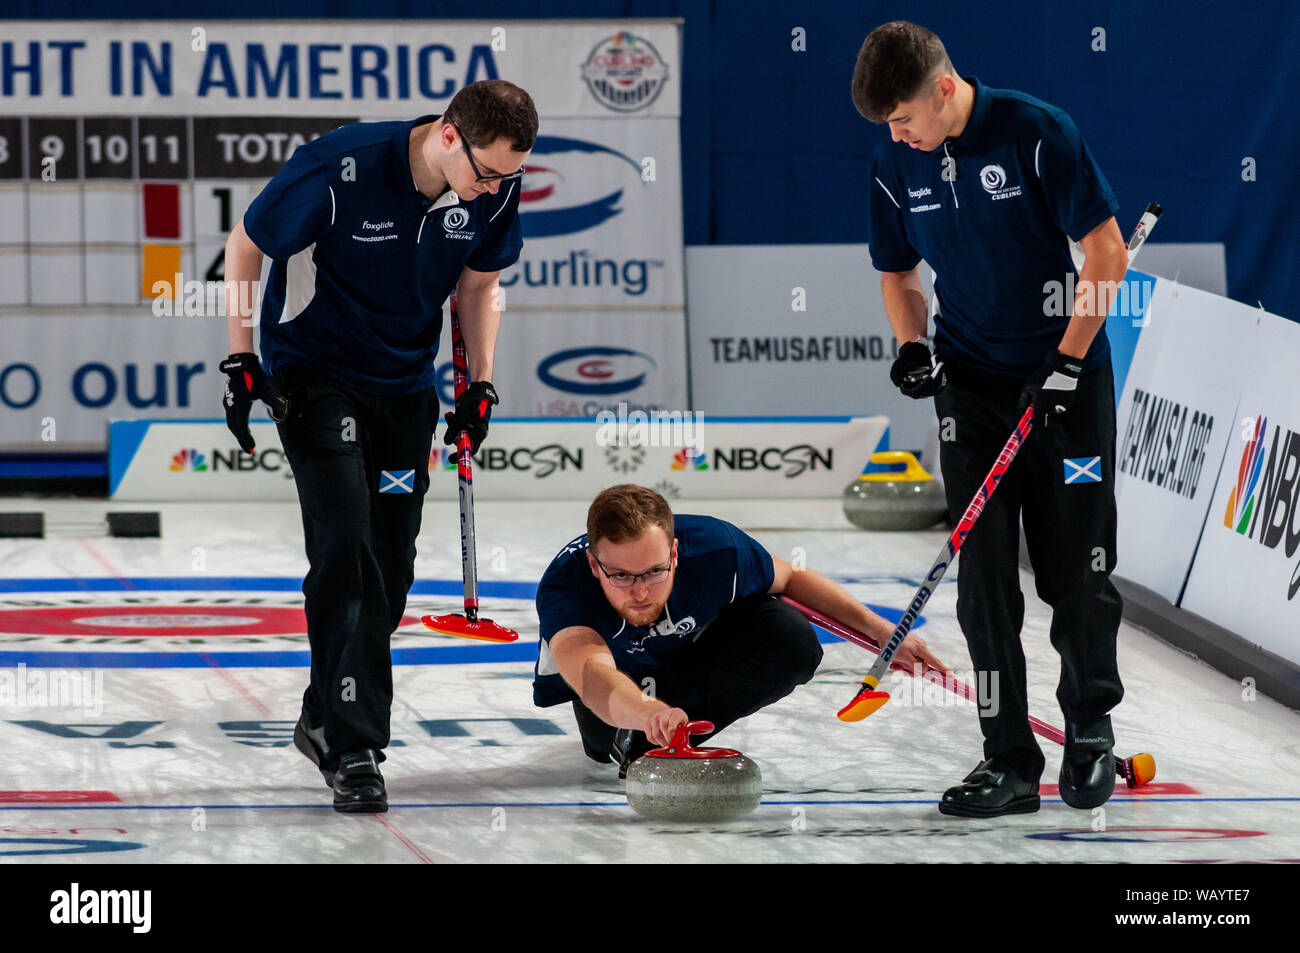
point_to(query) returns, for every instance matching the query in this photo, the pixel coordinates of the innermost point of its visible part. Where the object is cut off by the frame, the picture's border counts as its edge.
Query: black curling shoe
(358, 785)
(622, 751)
(628, 746)
(311, 742)
(1088, 767)
(990, 792)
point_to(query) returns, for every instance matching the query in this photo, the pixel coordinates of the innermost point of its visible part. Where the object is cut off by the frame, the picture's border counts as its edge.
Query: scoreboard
(103, 211)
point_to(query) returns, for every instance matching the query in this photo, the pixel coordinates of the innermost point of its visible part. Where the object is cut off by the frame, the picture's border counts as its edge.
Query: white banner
(63, 378)
(795, 329)
(679, 455)
(328, 67)
(1173, 422)
(1246, 576)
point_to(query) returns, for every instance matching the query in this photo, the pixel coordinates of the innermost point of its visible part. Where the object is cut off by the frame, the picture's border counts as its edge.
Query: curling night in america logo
(625, 72)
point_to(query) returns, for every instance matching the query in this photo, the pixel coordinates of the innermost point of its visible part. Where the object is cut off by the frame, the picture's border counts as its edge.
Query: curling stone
(682, 783)
(894, 493)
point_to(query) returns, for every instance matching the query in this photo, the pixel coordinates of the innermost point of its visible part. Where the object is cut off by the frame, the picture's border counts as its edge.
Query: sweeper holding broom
(370, 228)
(989, 186)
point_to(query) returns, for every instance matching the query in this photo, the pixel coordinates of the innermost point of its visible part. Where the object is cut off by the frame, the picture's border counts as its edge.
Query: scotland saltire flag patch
(397, 481)
(1083, 469)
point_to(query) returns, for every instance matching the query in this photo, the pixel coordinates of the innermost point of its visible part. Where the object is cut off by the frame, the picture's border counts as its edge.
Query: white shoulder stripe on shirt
(505, 202)
(299, 284)
(1036, 148)
(333, 204)
(545, 660)
(887, 192)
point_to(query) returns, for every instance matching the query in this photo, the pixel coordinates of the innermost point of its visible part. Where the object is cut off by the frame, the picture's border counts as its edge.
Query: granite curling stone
(894, 493)
(682, 783)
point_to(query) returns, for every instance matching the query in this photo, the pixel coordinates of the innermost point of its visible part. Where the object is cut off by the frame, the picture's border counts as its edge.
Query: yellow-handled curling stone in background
(894, 492)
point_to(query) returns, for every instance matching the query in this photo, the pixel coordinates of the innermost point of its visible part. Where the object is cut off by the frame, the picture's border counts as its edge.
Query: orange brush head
(484, 630)
(866, 702)
(1139, 770)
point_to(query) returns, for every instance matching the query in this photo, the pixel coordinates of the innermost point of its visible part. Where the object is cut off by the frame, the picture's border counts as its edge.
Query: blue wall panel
(773, 149)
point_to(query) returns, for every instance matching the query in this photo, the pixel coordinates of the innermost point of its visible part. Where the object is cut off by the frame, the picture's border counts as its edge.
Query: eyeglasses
(626, 580)
(478, 174)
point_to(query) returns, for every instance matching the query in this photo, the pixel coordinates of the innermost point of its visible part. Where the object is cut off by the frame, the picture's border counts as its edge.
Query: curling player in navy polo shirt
(649, 620)
(370, 228)
(989, 186)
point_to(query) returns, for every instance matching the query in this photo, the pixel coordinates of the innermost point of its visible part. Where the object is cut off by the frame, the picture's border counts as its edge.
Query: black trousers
(754, 653)
(360, 542)
(1070, 534)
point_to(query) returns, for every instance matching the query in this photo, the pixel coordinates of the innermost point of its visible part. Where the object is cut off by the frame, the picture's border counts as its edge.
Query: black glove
(1052, 388)
(473, 410)
(913, 373)
(245, 382)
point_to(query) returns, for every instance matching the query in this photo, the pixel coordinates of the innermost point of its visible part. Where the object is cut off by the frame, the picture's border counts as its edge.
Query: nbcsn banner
(553, 459)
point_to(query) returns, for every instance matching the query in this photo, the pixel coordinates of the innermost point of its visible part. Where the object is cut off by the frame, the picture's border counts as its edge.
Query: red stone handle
(681, 742)
(681, 747)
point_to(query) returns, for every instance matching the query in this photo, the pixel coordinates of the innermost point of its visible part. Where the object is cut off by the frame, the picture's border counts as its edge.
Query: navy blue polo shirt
(363, 261)
(996, 232)
(717, 564)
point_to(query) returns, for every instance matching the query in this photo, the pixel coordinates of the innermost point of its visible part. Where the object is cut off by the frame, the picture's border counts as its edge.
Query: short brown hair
(622, 513)
(895, 64)
(491, 109)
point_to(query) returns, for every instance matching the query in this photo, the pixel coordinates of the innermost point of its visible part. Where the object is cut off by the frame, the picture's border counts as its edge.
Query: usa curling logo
(575, 185)
(625, 72)
(690, 458)
(189, 459)
(1241, 500)
(595, 370)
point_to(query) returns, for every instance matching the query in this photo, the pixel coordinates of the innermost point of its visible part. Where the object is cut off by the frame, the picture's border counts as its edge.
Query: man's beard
(648, 617)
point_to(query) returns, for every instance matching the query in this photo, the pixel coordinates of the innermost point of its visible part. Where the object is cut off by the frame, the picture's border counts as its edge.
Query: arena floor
(191, 650)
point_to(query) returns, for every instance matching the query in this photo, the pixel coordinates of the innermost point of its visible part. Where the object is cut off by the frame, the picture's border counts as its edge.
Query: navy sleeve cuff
(500, 263)
(893, 266)
(263, 241)
(1093, 217)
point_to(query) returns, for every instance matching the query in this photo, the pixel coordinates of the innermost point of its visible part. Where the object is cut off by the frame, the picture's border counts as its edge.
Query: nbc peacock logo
(690, 458)
(440, 458)
(189, 459)
(1242, 498)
